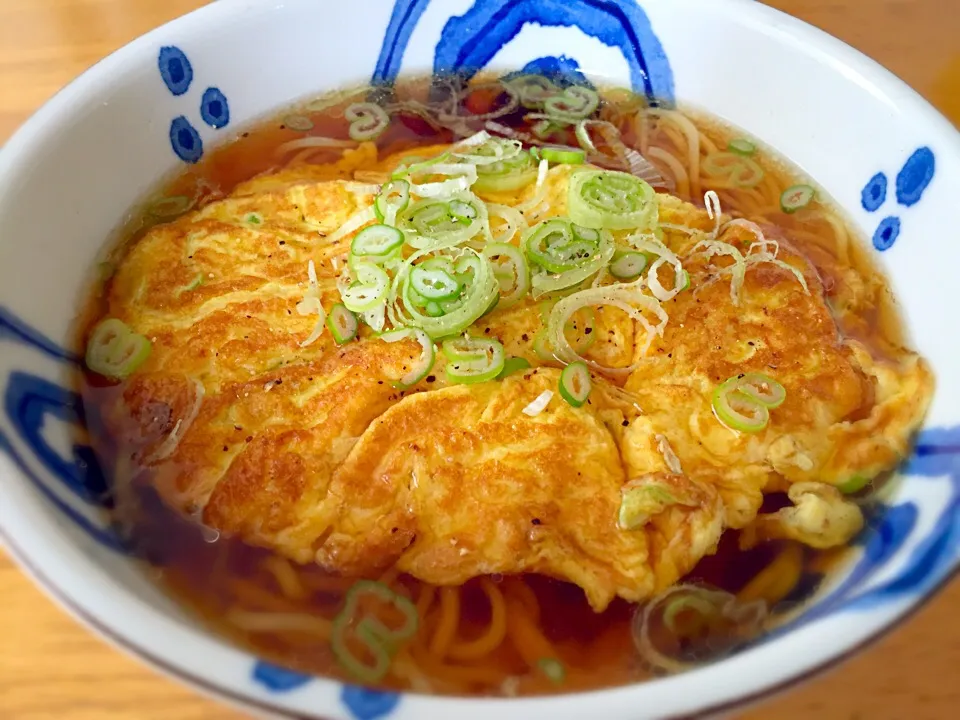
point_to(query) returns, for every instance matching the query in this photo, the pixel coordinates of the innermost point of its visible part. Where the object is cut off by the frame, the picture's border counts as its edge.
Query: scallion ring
(575, 384)
(377, 240)
(510, 269)
(434, 284)
(393, 198)
(739, 171)
(507, 175)
(473, 360)
(342, 323)
(116, 351)
(738, 411)
(574, 103)
(611, 200)
(380, 641)
(796, 198)
(369, 288)
(423, 364)
(563, 155)
(367, 120)
(628, 265)
(742, 146)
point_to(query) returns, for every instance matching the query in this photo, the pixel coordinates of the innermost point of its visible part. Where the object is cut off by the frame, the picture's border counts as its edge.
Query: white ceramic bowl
(70, 175)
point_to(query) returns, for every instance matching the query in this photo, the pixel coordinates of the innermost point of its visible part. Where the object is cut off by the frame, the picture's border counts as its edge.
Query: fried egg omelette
(249, 417)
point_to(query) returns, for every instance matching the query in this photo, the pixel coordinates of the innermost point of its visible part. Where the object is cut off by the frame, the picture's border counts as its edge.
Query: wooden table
(50, 667)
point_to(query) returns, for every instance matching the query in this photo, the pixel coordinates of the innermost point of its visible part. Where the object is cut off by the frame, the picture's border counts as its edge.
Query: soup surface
(513, 387)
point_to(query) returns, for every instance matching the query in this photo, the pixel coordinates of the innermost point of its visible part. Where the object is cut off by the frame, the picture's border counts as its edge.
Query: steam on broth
(637, 300)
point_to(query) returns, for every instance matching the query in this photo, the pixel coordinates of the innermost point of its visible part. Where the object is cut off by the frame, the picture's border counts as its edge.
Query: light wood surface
(50, 667)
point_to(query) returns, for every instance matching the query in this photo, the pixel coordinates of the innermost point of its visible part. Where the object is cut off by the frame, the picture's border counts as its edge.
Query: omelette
(248, 416)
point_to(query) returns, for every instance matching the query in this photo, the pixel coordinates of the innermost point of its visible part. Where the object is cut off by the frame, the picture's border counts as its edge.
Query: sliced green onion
(762, 388)
(628, 265)
(506, 175)
(427, 355)
(367, 120)
(510, 269)
(532, 89)
(737, 410)
(741, 146)
(301, 123)
(473, 360)
(740, 171)
(611, 200)
(434, 284)
(487, 150)
(565, 253)
(553, 669)
(369, 289)
(376, 240)
(685, 283)
(563, 155)
(854, 485)
(434, 309)
(543, 348)
(254, 218)
(513, 365)
(394, 197)
(796, 198)
(575, 383)
(480, 289)
(462, 212)
(342, 323)
(379, 640)
(114, 350)
(574, 103)
(442, 223)
(543, 129)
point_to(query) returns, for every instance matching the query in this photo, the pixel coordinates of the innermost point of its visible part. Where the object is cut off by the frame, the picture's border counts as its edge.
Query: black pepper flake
(750, 342)
(588, 330)
(536, 521)
(283, 242)
(283, 127)
(394, 530)
(669, 355)
(486, 331)
(289, 312)
(225, 448)
(625, 423)
(524, 337)
(249, 438)
(246, 134)
(379, 382)
(431, 378)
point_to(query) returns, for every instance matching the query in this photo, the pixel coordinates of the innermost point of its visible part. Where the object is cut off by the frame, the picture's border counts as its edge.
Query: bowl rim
(718, 685)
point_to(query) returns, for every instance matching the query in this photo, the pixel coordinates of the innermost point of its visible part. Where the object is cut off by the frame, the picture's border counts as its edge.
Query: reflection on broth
(510, 388)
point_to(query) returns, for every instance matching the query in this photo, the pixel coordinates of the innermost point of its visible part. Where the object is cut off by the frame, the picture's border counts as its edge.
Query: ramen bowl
(69, 177)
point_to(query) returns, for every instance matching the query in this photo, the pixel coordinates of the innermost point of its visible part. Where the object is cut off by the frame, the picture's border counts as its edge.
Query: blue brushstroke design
(15, 329)
(175, 69)
(367, 704)
(874, 193)
(562, 71)
(28, 401)
(104, 536)
(185, 140)
(915, 176)
(470, 41)
(403, 20)
(278, 679)
(936, 454)
(214, 108)
(886, 233)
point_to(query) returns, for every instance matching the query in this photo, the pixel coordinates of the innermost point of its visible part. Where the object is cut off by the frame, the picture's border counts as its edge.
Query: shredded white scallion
(539, 404)
(311, 304)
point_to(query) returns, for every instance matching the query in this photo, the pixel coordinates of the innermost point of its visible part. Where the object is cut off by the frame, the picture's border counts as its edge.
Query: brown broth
(215, 576)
